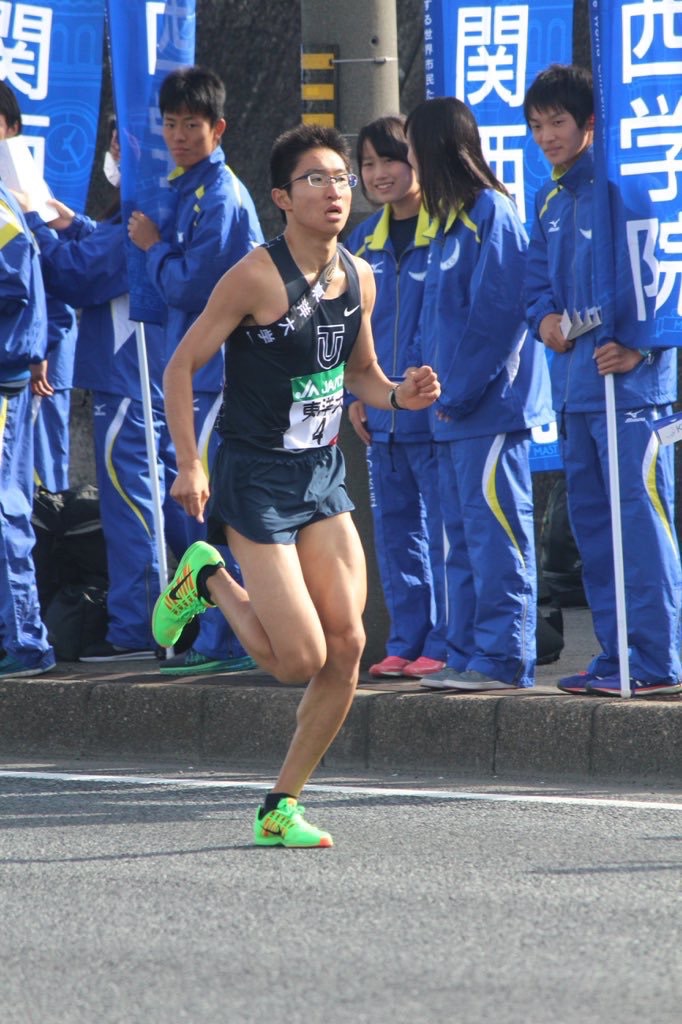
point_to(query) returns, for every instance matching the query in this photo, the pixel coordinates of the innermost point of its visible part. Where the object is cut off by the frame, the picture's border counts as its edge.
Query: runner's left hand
(419, 390)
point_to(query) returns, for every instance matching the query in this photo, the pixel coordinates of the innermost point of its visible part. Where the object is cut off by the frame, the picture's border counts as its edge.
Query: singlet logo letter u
(329, 343)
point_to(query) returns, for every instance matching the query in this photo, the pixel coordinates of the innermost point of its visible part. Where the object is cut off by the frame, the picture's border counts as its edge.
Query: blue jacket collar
(182, 178)
(579, 173)
(380, 236)
(446, 223)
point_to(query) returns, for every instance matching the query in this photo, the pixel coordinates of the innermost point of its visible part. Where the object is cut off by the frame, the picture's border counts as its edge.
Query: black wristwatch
(393, 400)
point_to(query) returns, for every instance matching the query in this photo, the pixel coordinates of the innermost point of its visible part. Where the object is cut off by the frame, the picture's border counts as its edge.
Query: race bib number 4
(316, 407)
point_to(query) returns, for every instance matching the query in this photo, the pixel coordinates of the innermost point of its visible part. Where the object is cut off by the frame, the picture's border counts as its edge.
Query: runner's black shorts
(268, 496)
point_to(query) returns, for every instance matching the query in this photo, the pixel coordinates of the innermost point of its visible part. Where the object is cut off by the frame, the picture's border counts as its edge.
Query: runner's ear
(281, 198)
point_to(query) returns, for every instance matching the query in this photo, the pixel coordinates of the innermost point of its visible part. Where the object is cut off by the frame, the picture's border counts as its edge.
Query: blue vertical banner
(51, 57)
(487, 55)
(148, 39)
(637, 67)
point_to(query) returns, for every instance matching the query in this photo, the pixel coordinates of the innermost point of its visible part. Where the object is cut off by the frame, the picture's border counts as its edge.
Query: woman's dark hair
(450, 163)
(9, 107)
(562, 87)
(113, 211)
(288, 148)
(387, 136)
(194, 89)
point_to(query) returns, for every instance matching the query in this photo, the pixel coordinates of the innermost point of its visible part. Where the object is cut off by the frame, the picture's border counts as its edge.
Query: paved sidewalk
(108, 711)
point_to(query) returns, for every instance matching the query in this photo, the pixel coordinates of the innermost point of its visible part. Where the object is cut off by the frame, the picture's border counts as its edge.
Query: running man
(296, 313)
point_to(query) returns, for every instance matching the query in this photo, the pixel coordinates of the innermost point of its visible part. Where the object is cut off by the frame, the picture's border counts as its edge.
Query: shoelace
(283, 819)
(182, 603)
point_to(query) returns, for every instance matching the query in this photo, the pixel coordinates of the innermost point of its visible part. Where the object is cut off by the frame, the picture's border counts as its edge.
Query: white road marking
(385, 791)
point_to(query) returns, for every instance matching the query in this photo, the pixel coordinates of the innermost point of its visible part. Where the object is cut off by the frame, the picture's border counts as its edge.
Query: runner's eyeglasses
(319, 180)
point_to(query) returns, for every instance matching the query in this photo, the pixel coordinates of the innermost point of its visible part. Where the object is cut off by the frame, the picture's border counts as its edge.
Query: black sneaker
(106, 651)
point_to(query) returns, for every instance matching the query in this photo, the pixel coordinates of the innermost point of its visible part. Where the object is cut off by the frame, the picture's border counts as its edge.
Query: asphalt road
(137, 898)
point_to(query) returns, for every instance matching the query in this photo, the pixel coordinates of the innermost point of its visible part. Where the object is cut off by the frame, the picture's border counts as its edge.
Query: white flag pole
(617, 536)
(157, 510)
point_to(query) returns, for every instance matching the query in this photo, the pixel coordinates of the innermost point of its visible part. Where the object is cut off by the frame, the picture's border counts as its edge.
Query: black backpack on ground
(71, 568)
(75, 618)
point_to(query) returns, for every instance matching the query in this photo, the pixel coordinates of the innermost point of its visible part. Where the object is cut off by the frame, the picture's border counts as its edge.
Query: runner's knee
(301, 665)
(345, 647)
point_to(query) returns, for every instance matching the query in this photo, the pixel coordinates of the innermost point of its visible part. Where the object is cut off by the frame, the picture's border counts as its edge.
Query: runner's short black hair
(561, 87)
(194, 89)
(288, 148)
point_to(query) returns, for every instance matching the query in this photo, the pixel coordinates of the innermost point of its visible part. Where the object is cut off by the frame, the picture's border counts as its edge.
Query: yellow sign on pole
(319, 86)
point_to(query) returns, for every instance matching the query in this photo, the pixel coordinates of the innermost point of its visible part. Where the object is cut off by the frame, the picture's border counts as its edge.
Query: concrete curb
(248, 719)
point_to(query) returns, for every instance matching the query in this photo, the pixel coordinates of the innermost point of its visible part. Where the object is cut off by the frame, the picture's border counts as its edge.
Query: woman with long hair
(494, 390)
(401, 460)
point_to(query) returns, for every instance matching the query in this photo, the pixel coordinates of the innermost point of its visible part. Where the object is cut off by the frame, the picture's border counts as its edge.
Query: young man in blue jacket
(215, 226)
(24, 647)
(51, 378)
(85, 264)
(559, 279)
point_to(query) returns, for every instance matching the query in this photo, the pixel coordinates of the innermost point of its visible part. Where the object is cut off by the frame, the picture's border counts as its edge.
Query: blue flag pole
(487, 56)
(146, 44)
(157, 508)
(604, 279)
(617, 536)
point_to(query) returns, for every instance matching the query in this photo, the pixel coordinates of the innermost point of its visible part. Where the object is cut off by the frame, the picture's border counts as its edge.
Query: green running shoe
(180, 601)
(286, 826)
(191, 663)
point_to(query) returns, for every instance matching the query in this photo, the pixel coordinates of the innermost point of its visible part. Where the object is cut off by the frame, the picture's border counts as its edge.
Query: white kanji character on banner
(492, 50)
(25, 31)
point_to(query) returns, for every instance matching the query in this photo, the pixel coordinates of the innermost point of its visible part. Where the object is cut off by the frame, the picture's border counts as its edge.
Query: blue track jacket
(215, 225)
(559, 276)
(61, 343)
(61, 319)
(395, 319)
(473, 332)
(86, 267)
(23, 315)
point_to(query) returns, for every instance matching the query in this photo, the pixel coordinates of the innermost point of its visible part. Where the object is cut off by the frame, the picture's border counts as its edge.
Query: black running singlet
(284, 381)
